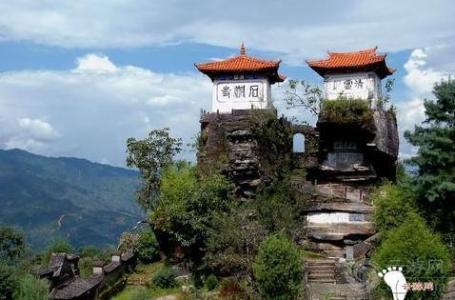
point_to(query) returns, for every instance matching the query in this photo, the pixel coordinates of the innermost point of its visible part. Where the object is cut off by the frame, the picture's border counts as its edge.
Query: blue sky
(78, 79)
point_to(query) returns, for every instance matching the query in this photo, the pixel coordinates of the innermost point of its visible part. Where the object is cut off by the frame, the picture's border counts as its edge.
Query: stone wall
(105, 281)
(241, 144)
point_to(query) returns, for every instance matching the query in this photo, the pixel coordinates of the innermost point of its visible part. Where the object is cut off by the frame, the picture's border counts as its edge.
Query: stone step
(320, 262)
(320, 268)
(324, 280)
(330, 275)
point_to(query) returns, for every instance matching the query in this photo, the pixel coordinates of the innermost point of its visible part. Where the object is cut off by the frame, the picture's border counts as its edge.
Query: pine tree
(434, 182)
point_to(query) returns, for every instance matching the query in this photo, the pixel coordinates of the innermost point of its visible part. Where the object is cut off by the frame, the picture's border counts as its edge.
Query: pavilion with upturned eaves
(356, 74)
(241, 82)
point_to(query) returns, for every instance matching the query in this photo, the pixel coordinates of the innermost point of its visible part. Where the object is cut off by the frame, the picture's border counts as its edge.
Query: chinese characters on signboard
(249, 91)
(349, 83)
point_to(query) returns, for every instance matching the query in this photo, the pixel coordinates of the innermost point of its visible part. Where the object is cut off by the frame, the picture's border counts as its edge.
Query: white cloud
(38, 129)
(420, 78)
(96, 106)
(95, 63)
(296, 28)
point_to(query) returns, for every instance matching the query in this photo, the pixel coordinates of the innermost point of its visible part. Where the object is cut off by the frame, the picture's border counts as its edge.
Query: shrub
(165, 278)
(57, 246)
(345, 110)
(12, 243)
(281, 209)
(187, 205)
(392, 206)
(8, 281)
(420, 252)
(31, 288)
(211, 282)
(148, 248)
(233, 241)
(231, 289)
(128, 241)
(278, 268)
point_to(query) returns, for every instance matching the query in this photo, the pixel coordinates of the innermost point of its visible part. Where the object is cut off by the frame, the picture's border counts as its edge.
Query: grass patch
(310, 254)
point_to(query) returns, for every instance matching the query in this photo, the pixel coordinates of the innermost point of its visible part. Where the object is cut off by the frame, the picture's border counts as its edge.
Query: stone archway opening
(298, 143)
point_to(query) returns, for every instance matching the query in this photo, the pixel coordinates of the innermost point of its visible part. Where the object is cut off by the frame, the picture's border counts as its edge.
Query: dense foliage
(345, 110)
(419, 251)
(278, 268)
(12, 244)
(8, 282)
(434, 183)
(187, 204)
(165, 278)
(31, 288)
(392, 205)
(233, 240)
(211, 282)
(151, 156)
(148, 247)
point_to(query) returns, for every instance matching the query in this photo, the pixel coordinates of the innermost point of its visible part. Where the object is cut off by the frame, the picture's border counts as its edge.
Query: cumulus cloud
(95, 63)
(93, 108)
(420, 78)
(38, 129)
(296, 28)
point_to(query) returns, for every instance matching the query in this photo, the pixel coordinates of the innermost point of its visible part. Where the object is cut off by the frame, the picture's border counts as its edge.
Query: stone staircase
(323, 282)
(321, 271)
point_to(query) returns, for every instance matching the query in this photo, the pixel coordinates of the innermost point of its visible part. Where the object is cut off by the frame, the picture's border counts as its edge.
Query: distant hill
(86, 203)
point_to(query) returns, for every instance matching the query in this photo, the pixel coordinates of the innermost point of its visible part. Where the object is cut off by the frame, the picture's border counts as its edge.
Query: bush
(57, 246)
(211, 282)
(392, 206)
(420, 252)
(278, 268)
(8, 281)
(165, 278)
(345, 110)
(12, 243)
(187, 204)
(128, 241)
(230, 288)
(281, 209)
(148, 248)
(31, 288)
(233, 241)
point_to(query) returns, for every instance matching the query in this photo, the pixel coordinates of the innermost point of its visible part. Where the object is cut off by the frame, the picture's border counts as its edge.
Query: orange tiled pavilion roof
(349, 62)
(242, 64)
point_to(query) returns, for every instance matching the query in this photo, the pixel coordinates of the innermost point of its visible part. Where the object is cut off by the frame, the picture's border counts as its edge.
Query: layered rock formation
(237, 145)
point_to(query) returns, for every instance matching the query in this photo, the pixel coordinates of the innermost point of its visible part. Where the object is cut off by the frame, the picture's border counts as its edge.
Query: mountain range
(83, 202)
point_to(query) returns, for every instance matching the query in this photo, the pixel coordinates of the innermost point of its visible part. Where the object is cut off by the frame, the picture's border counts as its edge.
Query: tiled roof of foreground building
(348, 62)
(242, 64)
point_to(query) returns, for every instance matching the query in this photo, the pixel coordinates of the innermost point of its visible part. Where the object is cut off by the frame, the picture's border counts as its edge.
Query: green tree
(278, 268)
(148, 249)
(151, 156)
(233, 240)
(435, 159)
(31, 288)
(8, 281)
(12, 243)
(392, 205)
(186, 207)
(421, 253)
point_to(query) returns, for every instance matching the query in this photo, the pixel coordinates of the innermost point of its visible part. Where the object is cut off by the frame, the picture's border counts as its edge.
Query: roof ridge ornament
(242, 49)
